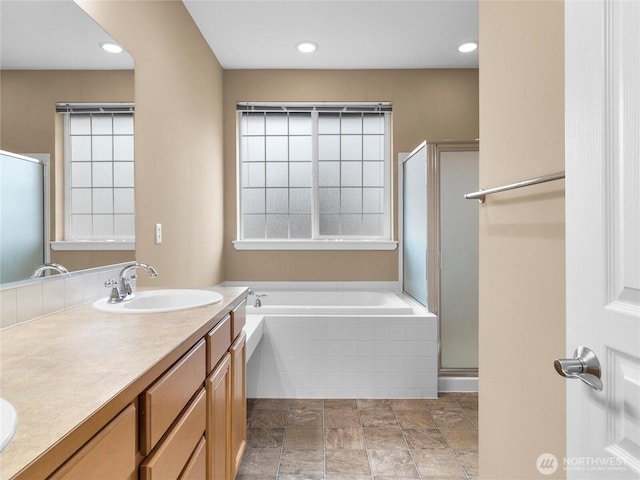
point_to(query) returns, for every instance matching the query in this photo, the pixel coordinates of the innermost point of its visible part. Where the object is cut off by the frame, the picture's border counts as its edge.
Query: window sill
(94, 245)
(315, 244)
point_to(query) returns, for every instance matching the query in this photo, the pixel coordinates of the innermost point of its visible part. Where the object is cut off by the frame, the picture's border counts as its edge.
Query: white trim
(315, 244)
(457, 384)
(94, 245)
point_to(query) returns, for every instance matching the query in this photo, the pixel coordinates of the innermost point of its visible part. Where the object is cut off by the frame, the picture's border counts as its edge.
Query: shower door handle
(584, 365)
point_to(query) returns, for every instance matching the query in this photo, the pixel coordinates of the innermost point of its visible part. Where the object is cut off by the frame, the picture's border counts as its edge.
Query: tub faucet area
(122, 289)
(56, 267)
(258, 302)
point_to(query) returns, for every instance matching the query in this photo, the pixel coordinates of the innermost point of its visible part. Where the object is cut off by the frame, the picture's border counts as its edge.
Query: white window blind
(314, 172)
(99, 172)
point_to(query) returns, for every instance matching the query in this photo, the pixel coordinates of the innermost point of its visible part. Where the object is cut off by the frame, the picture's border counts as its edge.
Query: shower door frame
(434, 149)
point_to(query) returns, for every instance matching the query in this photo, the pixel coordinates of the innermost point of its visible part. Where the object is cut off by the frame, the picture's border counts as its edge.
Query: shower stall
(439, 250)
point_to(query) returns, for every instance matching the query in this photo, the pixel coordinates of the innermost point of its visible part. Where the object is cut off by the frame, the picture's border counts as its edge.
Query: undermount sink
(8, 422)
(156, 301)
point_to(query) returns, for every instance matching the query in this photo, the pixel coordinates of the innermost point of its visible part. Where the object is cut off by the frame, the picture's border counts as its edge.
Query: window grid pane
(100, 181)
(350, 157)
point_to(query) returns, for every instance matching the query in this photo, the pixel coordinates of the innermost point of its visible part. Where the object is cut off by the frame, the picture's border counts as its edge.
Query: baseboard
(457, 384)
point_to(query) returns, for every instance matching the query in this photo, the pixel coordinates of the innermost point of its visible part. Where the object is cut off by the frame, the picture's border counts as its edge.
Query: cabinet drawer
(174, 452)
(110, 455)
(238, 319)
(161, 403)
(218, 342)
(196, 469)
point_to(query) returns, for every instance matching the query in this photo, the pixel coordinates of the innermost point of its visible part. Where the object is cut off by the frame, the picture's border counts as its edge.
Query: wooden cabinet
(190, 423)
(161, 403)
(238, 401)
(175, 450)
(110, 455)
(219, 421)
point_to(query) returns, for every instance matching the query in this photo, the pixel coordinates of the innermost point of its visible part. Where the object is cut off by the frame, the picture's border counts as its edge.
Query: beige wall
(28, 125)
(522, 279)
(427, 105)
(179, 169)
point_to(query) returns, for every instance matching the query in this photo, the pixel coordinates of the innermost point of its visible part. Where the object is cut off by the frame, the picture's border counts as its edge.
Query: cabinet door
(219, 421)
(238, 402)
(110, 455)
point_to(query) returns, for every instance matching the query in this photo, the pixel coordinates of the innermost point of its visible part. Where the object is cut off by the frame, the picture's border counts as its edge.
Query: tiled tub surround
(24, 301)
(322, 355)
(345, 357)
(362, 439)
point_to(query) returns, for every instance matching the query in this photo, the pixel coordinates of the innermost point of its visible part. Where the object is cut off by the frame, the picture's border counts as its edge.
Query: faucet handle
(110, 283)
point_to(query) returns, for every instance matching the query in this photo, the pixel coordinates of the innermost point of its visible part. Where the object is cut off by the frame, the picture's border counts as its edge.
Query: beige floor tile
(267, 418)
(461, 440)
(303, 438)
(392, 462)
(393, 477)
(308, 404)
(260, 437)
(385, 438)
(305, 418)
(374, 404)
(349, 477)
(347, 462)
(341, 403)
(268, 404)
(255, 477)
(469, 461)
(349, 438)
(415, 419)
(302, 462)
(378, 418)
(340, 417)
(410, 404)
(425, 438)
(452, 420)
(260, 461)
(317, 476)
(437, 463)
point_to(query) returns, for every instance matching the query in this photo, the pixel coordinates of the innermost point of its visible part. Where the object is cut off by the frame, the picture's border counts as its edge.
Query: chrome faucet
(258, 303)
(39, 272)
(122, 289)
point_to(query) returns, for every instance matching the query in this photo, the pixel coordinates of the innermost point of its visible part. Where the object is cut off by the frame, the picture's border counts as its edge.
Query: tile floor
(362, 439)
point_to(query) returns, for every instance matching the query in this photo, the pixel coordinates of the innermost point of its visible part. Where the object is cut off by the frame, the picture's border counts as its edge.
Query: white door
(602, 77)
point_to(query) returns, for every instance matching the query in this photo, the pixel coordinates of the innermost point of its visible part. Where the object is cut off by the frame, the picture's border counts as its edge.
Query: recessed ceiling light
(307, 47)
(467, 47)
(111, 47)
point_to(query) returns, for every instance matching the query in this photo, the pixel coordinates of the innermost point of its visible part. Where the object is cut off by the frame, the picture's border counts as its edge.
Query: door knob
(584, 365)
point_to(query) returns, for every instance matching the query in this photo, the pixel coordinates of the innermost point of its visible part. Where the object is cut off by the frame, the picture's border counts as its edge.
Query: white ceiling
(351, 33)
(57, 34)
(53, 35)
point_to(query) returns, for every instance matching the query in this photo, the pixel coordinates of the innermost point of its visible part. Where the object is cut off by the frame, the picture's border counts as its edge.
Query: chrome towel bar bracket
(525, 183)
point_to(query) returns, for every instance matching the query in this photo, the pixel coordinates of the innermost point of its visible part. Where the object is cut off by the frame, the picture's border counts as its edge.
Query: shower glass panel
(22, 216)
(414, 238)
(459, 260)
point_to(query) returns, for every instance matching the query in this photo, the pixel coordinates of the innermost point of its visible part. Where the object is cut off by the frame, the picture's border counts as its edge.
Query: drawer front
(196, 469)
(174, 452)
(218, 342)
(110, 455)
(164, 400)
(238, 319)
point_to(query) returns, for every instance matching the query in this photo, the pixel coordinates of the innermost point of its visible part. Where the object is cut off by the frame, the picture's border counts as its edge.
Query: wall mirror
(51, 53)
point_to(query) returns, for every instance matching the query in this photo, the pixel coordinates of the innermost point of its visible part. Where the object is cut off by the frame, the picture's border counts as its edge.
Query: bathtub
(340, 344)
(330, 303)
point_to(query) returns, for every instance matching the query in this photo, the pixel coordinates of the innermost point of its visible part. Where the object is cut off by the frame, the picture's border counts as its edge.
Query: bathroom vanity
(110, 396)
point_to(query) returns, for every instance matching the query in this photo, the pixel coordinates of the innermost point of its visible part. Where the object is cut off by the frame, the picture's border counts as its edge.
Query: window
(314, 172)
(99, 172)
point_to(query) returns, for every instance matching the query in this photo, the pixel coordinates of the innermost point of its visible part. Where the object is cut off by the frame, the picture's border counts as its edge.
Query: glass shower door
(414, 226)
